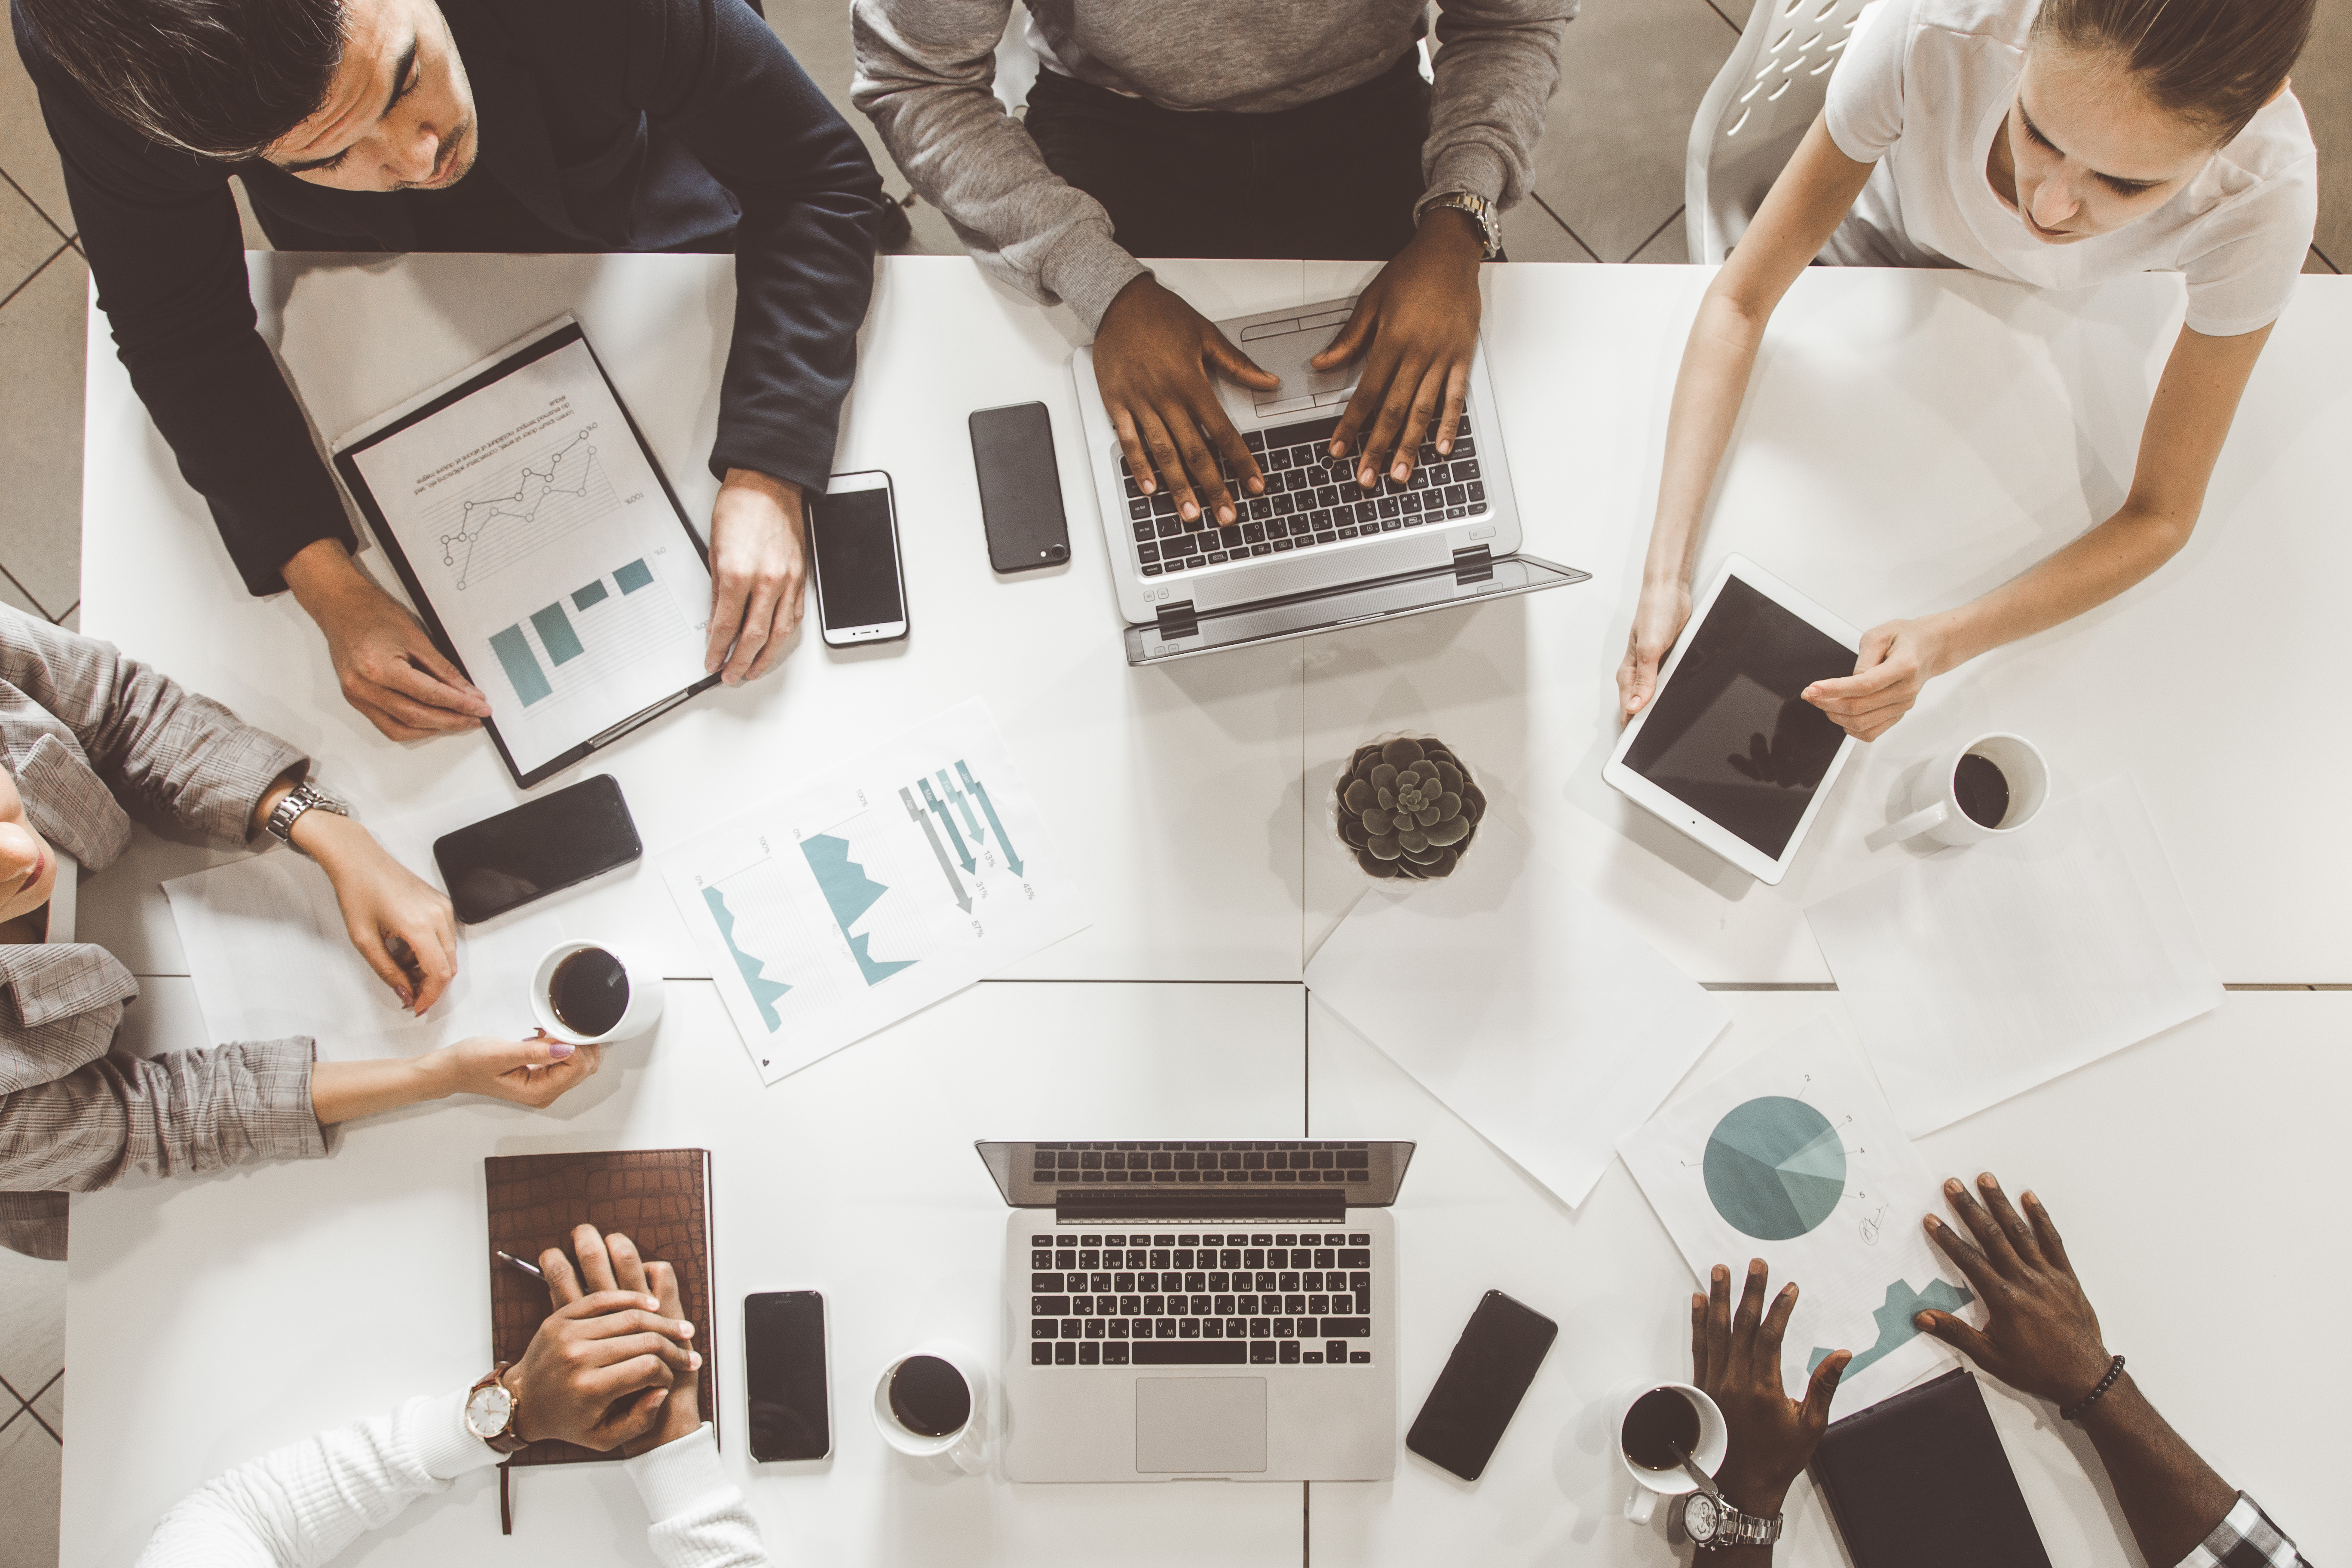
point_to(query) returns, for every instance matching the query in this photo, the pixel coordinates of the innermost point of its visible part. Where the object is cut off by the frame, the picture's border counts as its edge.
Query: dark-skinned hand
(1416, 327)
(1153, 357)
(647, 1323)
(2040, 1336)
(1736, 1362)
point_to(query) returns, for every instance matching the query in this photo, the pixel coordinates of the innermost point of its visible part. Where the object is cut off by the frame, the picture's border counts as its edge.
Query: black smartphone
(861, 597)
(784, 1375)
(1484, 1380)
(1020, 488)
(542, 846)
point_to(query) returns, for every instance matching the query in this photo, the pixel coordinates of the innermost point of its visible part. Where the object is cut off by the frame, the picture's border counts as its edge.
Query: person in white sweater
(613, 1367)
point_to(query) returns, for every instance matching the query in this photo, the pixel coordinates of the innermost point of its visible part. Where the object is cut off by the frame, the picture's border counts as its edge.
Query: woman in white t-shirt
(2053, 142)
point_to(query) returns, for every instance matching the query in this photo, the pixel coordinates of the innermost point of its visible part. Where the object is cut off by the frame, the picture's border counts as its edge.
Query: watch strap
(1481, 212)
(292, 805)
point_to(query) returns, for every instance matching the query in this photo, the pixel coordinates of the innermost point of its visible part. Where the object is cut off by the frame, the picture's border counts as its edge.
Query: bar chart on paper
(869, 894)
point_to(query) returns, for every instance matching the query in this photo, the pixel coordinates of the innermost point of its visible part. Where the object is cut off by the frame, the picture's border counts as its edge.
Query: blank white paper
(1979, 972)
(1522, 1004)
(270, 958)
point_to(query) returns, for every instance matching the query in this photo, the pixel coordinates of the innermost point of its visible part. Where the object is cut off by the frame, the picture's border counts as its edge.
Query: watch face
(487, 1410)
(1699, 1521)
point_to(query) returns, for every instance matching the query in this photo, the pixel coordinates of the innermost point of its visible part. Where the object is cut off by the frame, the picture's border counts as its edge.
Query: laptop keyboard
(1233, 1297)
(1309, 501)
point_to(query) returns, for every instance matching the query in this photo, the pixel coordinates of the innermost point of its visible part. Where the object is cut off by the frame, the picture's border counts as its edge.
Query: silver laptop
(1200, 1309)
(1316, 550)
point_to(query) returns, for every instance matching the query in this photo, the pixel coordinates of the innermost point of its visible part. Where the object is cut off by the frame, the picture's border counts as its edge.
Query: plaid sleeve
(2245, 1539)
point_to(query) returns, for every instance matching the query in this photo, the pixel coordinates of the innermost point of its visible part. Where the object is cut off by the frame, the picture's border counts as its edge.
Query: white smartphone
(861, 594)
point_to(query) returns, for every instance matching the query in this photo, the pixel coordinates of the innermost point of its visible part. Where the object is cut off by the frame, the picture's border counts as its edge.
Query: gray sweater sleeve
(1497, 66)
(926, 70)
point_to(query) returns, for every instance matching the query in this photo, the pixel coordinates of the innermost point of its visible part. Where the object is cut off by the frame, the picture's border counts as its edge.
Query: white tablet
(1727, 751)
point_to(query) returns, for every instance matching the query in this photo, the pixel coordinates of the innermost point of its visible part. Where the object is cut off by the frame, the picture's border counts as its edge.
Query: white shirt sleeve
(700, 1518)
(304, 1504)
(1864, 110)
(2247, 255)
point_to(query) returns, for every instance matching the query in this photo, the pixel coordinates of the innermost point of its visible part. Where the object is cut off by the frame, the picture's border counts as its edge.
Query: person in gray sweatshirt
(1228, 128)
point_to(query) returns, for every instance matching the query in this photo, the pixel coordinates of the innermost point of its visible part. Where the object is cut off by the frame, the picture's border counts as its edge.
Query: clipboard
(553, 524)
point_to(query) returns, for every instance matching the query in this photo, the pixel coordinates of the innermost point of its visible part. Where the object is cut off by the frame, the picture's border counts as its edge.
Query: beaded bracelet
(2074, 1410)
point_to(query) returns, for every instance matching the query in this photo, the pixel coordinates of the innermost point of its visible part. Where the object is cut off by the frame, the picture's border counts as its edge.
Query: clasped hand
(614, 1366)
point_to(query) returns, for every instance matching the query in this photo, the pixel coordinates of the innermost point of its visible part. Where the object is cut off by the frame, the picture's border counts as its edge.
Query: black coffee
(1659, 1420)
(929, 1396)
(1982, 790)
(590, 992)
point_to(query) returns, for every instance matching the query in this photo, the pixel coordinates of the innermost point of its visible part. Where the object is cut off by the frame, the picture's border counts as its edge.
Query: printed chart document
(1522, 1004)
(1979, 972)
(896, 879)
(530, 524)
(270, 958)
(1795, 1157)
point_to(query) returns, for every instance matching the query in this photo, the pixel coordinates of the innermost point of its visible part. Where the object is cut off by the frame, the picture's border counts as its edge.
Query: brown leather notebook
(658, 1198)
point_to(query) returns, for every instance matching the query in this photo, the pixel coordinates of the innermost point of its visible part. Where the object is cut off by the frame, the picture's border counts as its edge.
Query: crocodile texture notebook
(658, 1198)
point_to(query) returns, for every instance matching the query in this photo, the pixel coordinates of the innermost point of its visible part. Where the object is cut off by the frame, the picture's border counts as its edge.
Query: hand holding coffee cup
(1983, 789)
(593, 993)
(932, 1403)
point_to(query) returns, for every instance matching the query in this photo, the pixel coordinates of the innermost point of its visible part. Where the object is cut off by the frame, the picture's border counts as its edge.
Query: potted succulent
(1407, 808)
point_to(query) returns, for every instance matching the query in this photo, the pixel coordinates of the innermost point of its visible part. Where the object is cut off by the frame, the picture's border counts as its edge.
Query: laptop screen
(1225, 1174)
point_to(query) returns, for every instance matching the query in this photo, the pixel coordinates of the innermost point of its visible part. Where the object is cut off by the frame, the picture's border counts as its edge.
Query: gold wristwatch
(491, 1408)
(1482, 213)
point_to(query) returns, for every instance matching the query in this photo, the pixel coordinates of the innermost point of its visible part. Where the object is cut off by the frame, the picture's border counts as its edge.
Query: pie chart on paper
(1774, 1168)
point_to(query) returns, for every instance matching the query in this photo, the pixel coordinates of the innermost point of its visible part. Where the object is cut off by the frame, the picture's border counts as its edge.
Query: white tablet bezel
(1686, 818)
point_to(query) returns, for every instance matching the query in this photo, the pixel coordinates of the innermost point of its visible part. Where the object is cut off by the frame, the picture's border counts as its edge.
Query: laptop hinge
(1176, 620)
(1101, 1206)
(1475, 564)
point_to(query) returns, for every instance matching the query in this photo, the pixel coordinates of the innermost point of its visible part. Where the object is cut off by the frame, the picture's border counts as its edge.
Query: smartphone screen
(854, 540)
(784, 1375)
(505, 861)
(1484, 1380)
(1020, 488)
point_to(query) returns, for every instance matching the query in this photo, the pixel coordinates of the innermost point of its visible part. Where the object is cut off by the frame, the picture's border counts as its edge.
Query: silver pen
(512, 1261)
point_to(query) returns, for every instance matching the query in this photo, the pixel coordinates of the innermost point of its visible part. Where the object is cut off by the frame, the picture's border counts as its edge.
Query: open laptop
(1200, 1309)
(1316, 550)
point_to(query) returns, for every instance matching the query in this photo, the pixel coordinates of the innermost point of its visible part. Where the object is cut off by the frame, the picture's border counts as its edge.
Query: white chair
(1756, 112)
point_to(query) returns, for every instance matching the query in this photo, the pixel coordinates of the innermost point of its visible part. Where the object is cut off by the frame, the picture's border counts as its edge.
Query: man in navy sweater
(470, 125)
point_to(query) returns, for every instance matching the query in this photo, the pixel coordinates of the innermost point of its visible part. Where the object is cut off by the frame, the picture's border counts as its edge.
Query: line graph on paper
(543, 499)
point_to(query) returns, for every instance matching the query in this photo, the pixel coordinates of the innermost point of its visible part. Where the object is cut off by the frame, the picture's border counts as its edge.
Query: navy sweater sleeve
(160, 230)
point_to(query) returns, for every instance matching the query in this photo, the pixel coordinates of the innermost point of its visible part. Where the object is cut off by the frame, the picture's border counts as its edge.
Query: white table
(1190, 799)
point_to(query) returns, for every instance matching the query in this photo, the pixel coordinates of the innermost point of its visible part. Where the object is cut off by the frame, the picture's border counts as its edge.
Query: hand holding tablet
(1726, 749)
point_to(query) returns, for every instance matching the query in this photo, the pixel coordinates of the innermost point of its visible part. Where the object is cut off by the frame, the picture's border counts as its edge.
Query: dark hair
(2214, 62)
(223, 78)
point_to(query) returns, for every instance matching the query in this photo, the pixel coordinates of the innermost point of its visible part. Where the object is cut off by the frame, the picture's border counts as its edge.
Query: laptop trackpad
(1199, 1425)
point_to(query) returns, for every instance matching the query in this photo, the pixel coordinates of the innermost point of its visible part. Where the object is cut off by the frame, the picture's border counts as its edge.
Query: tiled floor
(1608, 187)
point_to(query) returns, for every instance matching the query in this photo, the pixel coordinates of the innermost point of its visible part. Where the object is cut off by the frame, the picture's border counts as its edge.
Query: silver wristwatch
(302, 797)
(1711, 1522)
(1482, 213)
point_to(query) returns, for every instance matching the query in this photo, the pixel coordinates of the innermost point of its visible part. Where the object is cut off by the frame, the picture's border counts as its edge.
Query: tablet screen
(1728, 736)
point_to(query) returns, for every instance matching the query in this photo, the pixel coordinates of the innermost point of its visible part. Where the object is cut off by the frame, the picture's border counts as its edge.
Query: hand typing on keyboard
(1416, 327)
(1153, 357)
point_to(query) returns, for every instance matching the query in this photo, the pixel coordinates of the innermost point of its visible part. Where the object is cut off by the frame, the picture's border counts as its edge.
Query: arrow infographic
(947, 867)
(961, 805)
(947, 822)
(980, 793)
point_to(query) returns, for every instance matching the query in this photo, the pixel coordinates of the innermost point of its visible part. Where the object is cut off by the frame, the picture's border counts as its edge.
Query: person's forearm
(1708, 389)
(341, 1091)
(2171, 1497)
(2102, 563)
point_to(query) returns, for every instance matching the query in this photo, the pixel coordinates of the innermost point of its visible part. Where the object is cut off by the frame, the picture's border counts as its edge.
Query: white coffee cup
(643, 1010)
(966, 1448)
(1935, 798)
(1650, 1485)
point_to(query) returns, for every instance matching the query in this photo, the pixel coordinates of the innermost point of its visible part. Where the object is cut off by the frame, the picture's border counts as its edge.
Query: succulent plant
(1408, 809)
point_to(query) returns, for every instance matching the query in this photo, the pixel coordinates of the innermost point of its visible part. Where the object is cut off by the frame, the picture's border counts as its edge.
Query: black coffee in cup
(929, 1396)
(1660, 1421)
(589, 992)
(1982, 790)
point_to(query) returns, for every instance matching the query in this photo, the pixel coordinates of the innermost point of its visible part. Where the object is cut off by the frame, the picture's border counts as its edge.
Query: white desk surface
(1192, 799)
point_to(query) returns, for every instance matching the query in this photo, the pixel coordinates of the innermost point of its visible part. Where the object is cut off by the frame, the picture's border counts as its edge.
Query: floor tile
(1631, 74)
(16, 598)
(32, 1465)
(25, 152)
(254, 238)
(1532, 234)
(71, 620)
(2323, 80)
(2314, 262)
(1670, 245)
(27, 238)
(50, 1405)
(31, 1316)
(817, 32)
(40, 432)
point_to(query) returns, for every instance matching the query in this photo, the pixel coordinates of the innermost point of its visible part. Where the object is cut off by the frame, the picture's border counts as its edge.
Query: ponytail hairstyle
(2213, 62)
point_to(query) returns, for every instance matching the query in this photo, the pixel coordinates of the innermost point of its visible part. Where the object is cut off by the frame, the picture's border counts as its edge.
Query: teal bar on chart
(555, 631)
(594, 593)
(634, 576)
(522, 669)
